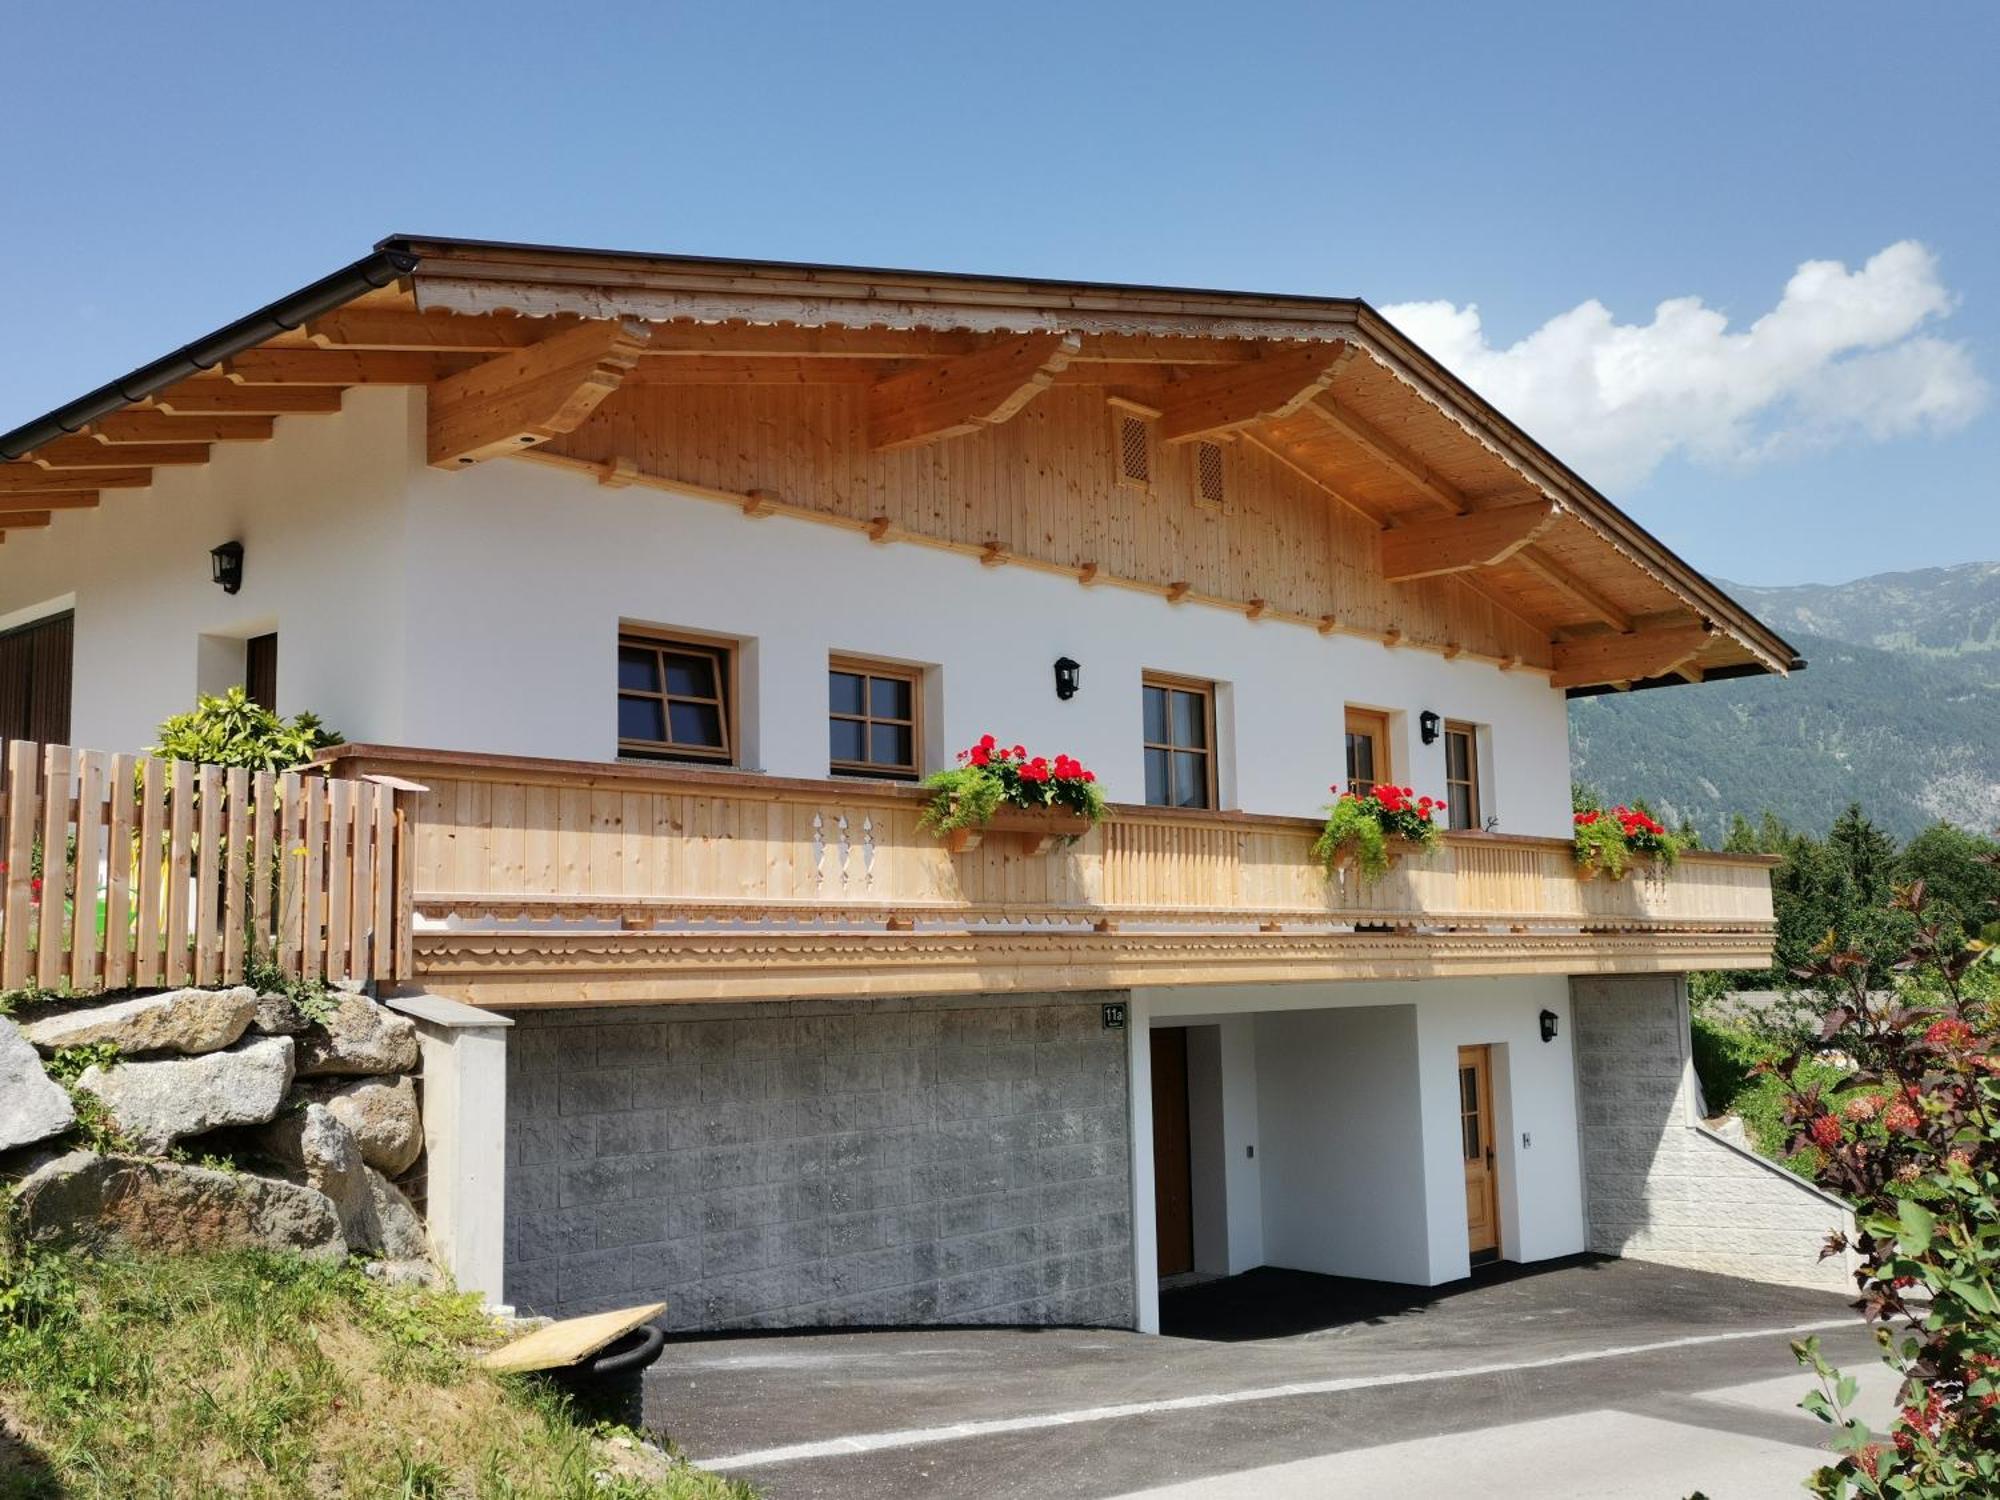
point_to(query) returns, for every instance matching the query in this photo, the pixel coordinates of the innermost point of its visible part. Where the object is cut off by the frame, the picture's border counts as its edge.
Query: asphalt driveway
(1594, 1378)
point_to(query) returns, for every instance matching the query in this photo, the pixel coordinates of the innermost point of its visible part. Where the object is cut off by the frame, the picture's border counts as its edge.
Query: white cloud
(1842, 355)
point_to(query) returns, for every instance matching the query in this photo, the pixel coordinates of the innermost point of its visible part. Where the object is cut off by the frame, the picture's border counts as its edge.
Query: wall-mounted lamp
(225, 566)
(1069, 675)
(1427, 725)
(1548, 1026)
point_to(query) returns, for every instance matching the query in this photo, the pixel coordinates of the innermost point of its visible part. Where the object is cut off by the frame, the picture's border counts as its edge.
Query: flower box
(1372, 829)
(1345, 856)
(1039, 828)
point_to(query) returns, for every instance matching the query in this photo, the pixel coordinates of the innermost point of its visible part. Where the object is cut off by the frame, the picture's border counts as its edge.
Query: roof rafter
(960, 395)
(333, 367)
(1563, 582)
(1234, 396)
(1387, 454)
(526, 397)
(215, 395)
(165, 427)
(1589, 661)
(87, 453)
(1459, 544)
(22, 478)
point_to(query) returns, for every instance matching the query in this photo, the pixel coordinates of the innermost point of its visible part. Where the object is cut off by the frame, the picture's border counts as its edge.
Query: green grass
(1725, 1059)
(268, 1375)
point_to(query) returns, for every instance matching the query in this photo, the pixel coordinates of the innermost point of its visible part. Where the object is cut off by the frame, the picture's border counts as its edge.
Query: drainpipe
(287, 313)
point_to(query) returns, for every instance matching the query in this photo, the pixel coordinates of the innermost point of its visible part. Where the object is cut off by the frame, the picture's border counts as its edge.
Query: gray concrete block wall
(822, 1163)
(1659, 1186)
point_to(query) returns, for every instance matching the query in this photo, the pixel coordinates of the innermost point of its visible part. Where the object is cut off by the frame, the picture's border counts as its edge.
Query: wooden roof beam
(54, 500)
(333, 367)
(17, 520)
(526, 397)
(215, 396)
(1590, 661)
(1571, 587)
(139, 426)
(1234, 396)
(86, 453)
(1387, 454)
(387, 328)
(1318, 481)
(956, 396)
(32, 479)
(1459, 544)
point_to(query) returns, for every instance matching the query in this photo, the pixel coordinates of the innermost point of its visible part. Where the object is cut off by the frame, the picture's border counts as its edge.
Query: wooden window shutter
(1208, 474)
(1135, 450)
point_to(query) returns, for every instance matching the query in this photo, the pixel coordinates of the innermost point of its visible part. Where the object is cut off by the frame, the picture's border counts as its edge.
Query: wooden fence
(126, 871)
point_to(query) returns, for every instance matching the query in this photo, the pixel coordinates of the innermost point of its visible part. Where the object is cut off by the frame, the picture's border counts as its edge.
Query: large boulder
(359, 1038)
(374, 1216)
(99, 1201)
(33, 1106)
(278, 1015)
(383, 1114)
(157, 1103)
(185, 1021)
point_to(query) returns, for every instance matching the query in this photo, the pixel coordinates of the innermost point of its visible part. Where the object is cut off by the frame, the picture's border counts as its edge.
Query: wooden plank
(332, 367)
(23, 816)
(263, 875)
(405, 906)
(58, 787)
(1592, 602)
(85, 951)
(144, 426)
(84, 453)
(118, 874)
(1588, 661)
(952, 397)
(177, 966)
(519, 399)
(293, 856)
(313, 841)
(151, 863)
(1233, 396)
(339, 877)
(14, 506)
(383, 328)
(384, 967)
(236, 875)
(213, 395)
(22, 478)
(1459, 544)
(361, 907)
(555, 1345)
(208, 878)
(1411, 470)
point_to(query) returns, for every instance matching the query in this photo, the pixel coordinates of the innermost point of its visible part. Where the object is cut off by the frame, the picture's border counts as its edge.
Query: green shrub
(233, 731)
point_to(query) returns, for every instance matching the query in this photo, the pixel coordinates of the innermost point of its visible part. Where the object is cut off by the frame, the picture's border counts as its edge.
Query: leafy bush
(1741, 1073)
(1359, 826)
(989, 775)
(233, 731)
(1608, 839)
(1911, 1137)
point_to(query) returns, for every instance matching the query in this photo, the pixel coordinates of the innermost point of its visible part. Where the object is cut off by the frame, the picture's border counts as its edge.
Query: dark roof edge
(329, 292)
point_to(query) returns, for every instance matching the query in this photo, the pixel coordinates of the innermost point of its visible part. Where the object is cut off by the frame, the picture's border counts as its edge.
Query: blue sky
(170, 167)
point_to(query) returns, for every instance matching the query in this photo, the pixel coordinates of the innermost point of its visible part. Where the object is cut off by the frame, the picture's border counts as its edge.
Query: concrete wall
(478, 610)
(1343, 1188)
(1660, 1186)
(904, 1161)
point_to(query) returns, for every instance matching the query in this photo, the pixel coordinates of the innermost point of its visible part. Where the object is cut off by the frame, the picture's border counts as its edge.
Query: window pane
(1360, 761)
(637, 669)
(1190, 779)
(889, 745)
(690, 676)
(846, 739)
(1191, 720)
(640, 719)
(845, 692)
(1156, 716)
(1471, 1128)
(1158, 771)
(696, 724)
(1461, 805)
(1457, 756)
(889, 697)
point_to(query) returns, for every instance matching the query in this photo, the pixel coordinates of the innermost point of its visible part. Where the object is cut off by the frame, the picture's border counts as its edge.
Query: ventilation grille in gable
(1135, 450)
(1208, 473)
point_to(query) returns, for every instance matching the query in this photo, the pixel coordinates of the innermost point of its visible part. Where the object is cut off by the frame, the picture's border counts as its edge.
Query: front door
(1173, 1177)
(1475, 1119)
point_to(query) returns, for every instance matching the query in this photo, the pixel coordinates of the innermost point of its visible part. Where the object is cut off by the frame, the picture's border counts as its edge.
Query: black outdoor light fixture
(1548, 1026)
(1068, 675)
(225, 566)
(1427, 725)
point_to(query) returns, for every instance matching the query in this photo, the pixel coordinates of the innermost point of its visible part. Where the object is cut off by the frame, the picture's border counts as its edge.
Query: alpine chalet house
(668, 580)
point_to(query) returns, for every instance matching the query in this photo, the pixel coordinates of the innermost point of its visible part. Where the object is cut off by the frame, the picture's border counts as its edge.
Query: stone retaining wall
(822, 1163)
(1662, 1187)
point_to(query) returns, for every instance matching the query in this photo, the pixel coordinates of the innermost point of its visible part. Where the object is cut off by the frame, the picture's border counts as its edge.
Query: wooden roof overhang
(519, 345)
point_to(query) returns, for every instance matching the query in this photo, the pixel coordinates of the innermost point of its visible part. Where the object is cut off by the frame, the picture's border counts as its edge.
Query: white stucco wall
(478, 610)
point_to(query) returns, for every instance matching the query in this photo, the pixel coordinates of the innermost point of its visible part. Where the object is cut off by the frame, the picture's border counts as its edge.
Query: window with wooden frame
(1461, 775)
(676, 698)
(1179, 741)
(1210, 471)
(874, 719)
(1132, 443)
(1367, 750)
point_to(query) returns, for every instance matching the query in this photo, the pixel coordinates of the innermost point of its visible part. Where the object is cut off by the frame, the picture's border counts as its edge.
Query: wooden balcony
(540, 882)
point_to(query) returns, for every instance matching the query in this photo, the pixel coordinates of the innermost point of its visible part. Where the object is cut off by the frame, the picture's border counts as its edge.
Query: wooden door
(1173, 1177)
(1475, 1119)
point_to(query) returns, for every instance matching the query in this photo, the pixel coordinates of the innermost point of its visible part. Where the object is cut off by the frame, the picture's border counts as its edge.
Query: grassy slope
(266, 1375)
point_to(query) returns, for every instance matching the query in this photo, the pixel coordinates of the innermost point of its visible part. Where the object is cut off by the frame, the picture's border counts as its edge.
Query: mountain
(1898, 710)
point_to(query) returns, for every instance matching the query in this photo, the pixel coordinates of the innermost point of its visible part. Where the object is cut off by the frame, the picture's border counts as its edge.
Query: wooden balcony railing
(535, 848)
(124, 871)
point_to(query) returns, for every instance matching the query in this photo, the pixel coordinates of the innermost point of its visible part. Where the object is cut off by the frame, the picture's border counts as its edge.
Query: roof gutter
(287, 313)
